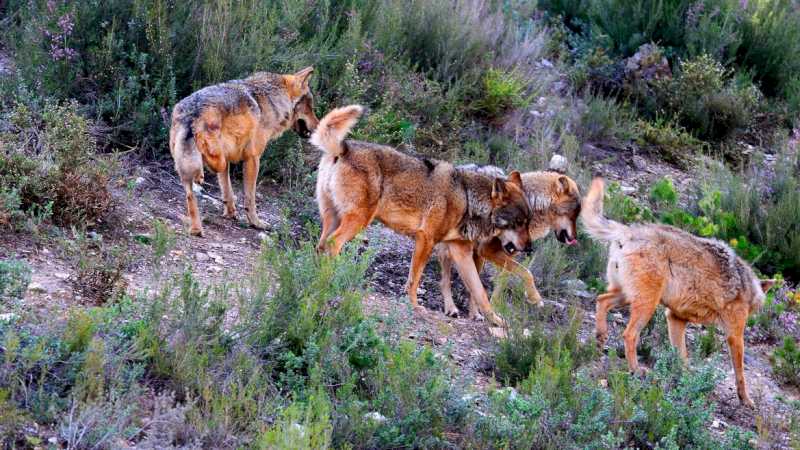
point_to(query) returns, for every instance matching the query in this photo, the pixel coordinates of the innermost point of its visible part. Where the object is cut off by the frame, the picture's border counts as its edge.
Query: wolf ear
(498, 189)
(303, 75)
(766, 284)
(564, 184)
(514, 177)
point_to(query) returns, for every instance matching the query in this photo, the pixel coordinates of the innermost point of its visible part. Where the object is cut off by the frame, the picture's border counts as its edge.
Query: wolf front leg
(462, 253)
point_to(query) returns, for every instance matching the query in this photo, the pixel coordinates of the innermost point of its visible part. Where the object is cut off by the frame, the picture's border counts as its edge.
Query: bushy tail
(333, 128)
(597, 225)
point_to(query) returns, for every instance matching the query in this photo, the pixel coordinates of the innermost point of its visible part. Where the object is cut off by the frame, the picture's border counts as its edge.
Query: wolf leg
(736, 345)
(330, 220)
(423, 246)
(196, 228)
(445, 283)
(676, 328)
(612, 298)
(250, 176)
(641, 312)
(351, 224)
(462, 254)
(493, 252)
(224, 179)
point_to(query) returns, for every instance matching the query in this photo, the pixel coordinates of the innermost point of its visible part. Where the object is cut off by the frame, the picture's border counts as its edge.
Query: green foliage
(48, 167)
(15, 275)
(525, 351)
(619, 206)
(301, 426)
(670, 140)
(704, 98)
(605, 121)
(786, 361)
(502, 91)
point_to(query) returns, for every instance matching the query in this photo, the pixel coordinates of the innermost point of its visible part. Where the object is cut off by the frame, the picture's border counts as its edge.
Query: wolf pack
(464, 215)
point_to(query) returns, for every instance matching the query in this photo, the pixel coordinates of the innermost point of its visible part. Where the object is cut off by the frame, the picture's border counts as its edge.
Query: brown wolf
(698, 280)
(555, 202)
(233, 122)
(430, 201)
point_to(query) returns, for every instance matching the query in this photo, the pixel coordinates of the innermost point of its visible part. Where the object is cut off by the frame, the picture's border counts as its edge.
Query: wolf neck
(477, 220)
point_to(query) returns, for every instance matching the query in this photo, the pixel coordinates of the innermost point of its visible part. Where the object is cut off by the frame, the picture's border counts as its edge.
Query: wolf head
(304, 121)
(511, 213)
(565, 209)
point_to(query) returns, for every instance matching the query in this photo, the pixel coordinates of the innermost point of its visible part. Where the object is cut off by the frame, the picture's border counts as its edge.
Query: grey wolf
(698, 280)
(233, 122)
(428, 200)
(555, 205)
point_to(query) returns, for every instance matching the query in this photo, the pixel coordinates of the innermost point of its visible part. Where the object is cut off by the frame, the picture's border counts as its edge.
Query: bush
(502, 91)
(14, 278)
(786, 361)
(605, 121)
(706, 100)
(48, 167)
(669, 140)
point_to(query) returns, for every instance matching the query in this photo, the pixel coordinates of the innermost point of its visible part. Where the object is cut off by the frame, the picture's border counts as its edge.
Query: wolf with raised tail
(428, 200)
(698, 280)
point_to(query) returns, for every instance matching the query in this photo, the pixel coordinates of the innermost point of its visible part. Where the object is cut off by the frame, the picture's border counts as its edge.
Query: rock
(53, 440)
(627, 190)
(498, 332)
(648, 63)
(718, 424)
(375, 416)
(546, 63)
(61, 275)
(36, 287)
(603, 383)
(201, 257)
(639, 163)
(262, 236)
(139, 181)
(574, 284)
(8, 317)
(197, 188)
(558, 163)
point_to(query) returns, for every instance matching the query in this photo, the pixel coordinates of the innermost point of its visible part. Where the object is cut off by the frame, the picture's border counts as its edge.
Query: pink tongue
(572, 241)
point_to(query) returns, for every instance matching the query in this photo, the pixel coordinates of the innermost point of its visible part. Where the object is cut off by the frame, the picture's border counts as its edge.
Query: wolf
(233, 122)
(555, 201)
(698, 280)
(428, 200)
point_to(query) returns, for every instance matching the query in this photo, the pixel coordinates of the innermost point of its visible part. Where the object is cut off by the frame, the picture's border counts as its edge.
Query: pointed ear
(766, 285)
(302, 77)
(514, 177)
(498, 189)
(564, 184)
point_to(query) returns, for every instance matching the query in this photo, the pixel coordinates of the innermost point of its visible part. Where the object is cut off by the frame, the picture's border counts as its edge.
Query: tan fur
(430, 201)
(555, 205)
(232, 122)
(698, 280)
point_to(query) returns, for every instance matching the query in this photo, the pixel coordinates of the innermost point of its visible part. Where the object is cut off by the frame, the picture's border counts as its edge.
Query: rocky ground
(228, 249)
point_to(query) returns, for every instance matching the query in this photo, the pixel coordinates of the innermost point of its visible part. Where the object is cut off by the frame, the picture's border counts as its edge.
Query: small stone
(558, 163)
(36, 287)
(526, 333)
(375, 416)
(639, 162)
(498, 332)
(53, 440)
(603, 383)
(201, 257)
(574, 284)
(627, 190)
(61, 275)
(547, 63)
(139, 181)
(262, 236)
(197, 188)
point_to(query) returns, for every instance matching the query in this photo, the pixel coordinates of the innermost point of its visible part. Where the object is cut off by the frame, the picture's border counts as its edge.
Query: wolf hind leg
(446, 281)
(224, 179)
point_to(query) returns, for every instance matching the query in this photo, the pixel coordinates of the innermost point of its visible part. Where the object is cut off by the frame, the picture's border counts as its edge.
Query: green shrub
(48, 167)
(786, 361)
(770, 31)
(669, 140)
(605, 121)
(704, 98)
(14, 278)
(502, 91)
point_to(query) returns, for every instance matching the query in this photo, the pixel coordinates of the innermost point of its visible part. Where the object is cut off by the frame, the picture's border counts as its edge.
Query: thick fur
(233, 122)
(430, 201)
(555, 205)
(697, 280)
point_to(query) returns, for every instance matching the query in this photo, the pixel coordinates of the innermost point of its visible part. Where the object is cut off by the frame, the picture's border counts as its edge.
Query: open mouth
(564, 238)
(510, 248)
(302, 129)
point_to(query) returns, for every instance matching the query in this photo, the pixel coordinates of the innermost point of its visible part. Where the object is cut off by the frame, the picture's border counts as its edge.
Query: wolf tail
(595, 223)
(333, 128)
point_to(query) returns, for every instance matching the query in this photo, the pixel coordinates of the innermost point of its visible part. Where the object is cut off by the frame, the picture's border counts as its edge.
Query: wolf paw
(196, 231)
(259, 224)
(451, 312)
(534, 298)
